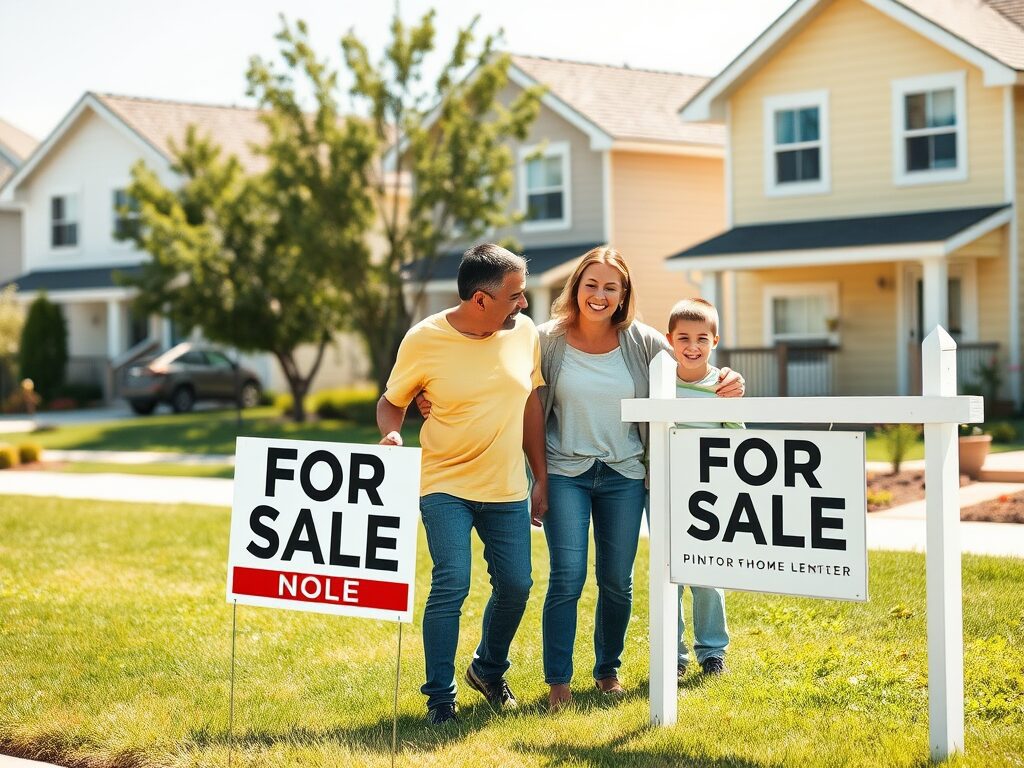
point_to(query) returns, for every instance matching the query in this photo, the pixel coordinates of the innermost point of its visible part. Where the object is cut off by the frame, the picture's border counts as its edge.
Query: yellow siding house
(874, 166)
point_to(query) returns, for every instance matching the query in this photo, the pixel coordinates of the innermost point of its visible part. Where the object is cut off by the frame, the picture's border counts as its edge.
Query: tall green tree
(43, 351)
(12, 321)
(255, 260)
(450, 135)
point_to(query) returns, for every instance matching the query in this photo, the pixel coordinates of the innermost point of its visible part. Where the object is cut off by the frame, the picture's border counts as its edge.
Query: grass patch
(154, 468)
(204, 432)
(115, 648)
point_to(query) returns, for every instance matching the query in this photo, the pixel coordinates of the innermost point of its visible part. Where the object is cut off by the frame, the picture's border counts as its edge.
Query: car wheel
(183, 399)
(249, 396)
(142, 407)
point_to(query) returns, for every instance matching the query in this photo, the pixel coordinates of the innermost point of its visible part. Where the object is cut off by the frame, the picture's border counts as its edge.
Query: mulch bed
(908, 485)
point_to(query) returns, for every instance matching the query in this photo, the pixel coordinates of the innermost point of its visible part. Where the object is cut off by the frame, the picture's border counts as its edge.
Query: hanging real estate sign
(769, 511)
(325, 527)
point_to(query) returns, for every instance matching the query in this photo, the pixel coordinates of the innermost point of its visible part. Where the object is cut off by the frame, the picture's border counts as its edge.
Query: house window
(63, 221)
(802, 313)
(929, 129)
(796, 144)
(544, 186)
(126, 215)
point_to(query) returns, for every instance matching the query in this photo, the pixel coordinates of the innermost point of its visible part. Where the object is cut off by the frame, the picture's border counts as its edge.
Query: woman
(594, 354)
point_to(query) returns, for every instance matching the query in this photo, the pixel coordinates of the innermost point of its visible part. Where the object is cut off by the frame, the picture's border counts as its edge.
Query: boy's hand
(730, 384)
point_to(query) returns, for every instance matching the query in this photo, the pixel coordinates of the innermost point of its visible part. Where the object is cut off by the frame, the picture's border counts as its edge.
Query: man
(479, 366)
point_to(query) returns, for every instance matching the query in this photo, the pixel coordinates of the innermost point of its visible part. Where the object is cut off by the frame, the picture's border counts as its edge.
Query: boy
(693, 334)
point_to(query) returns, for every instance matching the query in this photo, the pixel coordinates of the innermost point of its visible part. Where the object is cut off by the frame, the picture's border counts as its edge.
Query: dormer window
(544, 186)
(929, 129)
(63, 221)
(796, 144)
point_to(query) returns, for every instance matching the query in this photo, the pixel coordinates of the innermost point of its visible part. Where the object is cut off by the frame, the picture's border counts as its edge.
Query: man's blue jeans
(504, 529)
(616, 504)
(710, 634)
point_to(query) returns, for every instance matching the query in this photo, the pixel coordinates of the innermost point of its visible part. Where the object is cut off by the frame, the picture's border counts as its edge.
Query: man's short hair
(484, 267)
(694, 310)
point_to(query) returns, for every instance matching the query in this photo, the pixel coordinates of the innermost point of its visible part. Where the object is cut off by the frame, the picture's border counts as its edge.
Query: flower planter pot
(973, 451)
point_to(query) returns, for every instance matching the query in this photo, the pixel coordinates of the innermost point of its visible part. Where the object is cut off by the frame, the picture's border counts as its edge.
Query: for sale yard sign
(325, 527)
(769, 511)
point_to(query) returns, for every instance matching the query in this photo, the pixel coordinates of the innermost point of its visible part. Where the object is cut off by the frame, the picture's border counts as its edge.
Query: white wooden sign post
(939, 409)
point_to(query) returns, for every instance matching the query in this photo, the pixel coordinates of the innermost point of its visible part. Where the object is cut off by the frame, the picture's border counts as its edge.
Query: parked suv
(187, 373)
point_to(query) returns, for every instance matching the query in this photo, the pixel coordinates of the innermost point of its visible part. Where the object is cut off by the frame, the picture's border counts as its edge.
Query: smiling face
(692, 342)
(506, 302)
(600, 293)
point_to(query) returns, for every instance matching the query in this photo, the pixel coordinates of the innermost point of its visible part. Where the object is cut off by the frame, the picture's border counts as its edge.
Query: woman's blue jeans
(616, 504)
(504, 529)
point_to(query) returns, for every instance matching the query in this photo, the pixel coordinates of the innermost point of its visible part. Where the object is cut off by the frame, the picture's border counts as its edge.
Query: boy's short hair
(483, 268)
(695, 310)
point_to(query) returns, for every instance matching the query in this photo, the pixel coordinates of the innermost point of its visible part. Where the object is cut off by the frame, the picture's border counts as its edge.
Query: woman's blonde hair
(566, 309)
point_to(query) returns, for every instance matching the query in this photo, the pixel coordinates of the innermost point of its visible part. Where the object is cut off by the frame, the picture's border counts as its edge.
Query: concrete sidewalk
(139, 457)
(901, 528)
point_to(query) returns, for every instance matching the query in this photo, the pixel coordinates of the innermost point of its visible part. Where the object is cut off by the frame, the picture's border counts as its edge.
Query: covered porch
(839, 307)
(105, 333)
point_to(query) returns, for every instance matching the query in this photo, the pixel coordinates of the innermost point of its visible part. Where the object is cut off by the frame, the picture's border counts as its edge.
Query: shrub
(898, 438)
(879, 498)
(43, 353)
(1002, 432)
(80, 394)
(358, 405)
(8, 456)
(29, 453)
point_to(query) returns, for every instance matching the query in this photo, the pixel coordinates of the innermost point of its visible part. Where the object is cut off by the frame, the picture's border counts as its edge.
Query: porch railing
(783, 370)
(971, 357)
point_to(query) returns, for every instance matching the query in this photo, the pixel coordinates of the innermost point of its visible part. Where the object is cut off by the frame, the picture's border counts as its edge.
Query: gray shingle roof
(893, 229)
(628, 104)
(72, 279)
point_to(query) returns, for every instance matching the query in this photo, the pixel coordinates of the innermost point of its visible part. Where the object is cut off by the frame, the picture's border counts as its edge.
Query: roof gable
(974, 30)
(618, 104)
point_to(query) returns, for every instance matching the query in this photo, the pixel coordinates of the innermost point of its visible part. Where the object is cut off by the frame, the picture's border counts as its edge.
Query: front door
(961, 320)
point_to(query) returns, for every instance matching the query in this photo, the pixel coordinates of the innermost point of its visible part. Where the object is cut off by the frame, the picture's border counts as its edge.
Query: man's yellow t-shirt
(473, 440)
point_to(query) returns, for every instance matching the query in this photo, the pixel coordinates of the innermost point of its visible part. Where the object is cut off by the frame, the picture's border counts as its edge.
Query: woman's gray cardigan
(639, 344)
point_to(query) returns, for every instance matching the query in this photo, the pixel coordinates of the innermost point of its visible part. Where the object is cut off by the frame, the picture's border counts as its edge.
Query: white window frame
(116, 187)
(908, 85)
(64, 192)
(551, 149)
(788, 101)
(774, 291)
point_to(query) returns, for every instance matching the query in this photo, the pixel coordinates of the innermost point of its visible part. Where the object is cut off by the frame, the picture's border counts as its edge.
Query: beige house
(607, 161)
(873, 171)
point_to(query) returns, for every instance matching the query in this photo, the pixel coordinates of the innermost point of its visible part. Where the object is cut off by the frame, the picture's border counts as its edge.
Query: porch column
(166, 332)
(114, 340)
(936, 294)
(711, 291)
(540, 303)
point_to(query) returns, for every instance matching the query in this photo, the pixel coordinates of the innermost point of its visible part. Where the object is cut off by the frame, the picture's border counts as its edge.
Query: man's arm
(389, 421)
(533, 444)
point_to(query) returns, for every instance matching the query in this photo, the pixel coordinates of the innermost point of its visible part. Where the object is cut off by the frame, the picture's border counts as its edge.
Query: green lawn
(204, 432)
(115, 644)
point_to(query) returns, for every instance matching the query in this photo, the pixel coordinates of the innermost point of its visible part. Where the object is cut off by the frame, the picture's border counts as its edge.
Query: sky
(52, 51)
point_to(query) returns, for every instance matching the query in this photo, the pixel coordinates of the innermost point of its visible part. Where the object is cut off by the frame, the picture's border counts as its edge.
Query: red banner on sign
(317, 588)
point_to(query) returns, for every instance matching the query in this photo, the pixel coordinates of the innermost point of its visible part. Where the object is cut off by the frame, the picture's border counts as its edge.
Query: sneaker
(713, 665)
(442, 713)
(681, 671)
(498, 694)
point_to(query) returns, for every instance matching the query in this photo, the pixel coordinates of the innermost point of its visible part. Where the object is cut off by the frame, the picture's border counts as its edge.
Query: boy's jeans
(504, 529)
(710, 634)
(616, 505)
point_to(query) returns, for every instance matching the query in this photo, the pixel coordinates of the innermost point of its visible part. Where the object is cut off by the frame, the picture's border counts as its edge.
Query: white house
(68, 194)
(15, 148)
